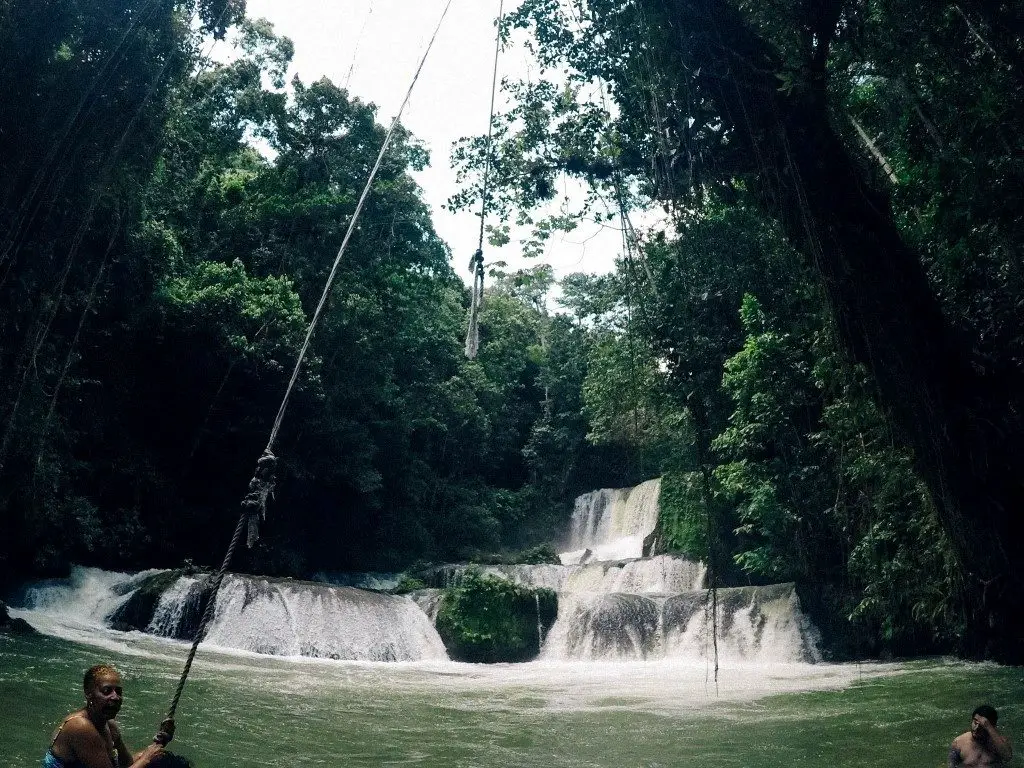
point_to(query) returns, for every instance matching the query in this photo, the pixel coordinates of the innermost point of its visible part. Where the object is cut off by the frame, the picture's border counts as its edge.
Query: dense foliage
(833, 297)
(817, 345)
(485, 619)
(167, 222)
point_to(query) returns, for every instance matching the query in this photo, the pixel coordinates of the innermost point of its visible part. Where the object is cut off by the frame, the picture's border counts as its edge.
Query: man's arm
(955, 758)
(998, 743)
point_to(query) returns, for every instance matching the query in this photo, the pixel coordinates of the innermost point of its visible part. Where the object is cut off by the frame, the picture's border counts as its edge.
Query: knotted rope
(476, 264)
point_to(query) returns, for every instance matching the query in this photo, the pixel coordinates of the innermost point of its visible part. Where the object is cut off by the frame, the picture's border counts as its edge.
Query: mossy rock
(486, 619)
(407, 584)
(137, 611)
(11, 626)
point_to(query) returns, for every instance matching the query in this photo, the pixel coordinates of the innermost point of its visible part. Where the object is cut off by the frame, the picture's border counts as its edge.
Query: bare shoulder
(78, 730)
(962, 740)
(78, 725)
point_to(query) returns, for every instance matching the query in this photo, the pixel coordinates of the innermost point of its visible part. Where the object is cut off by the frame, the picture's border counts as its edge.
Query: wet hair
(989, 713)
(89, 681)
(170, 760)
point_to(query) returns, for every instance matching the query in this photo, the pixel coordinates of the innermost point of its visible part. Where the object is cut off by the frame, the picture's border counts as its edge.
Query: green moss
(407, 584)
(486, 619)
(682, 516)
(542, 554)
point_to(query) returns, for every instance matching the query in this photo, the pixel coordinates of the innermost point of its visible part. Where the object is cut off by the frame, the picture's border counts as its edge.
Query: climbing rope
(261, 486)
(476, 264)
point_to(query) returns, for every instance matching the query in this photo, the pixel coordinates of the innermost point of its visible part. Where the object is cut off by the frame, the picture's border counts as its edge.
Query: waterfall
(755, 624)
(271, 616)
(87, 597)
(179, 610)
(612, 523)
(615, 604)
(295, 618)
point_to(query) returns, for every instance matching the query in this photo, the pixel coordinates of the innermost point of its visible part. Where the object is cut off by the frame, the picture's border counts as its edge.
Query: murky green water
(251, 711)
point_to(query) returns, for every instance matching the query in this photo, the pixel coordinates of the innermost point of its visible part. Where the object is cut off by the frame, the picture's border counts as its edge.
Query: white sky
(380, 42)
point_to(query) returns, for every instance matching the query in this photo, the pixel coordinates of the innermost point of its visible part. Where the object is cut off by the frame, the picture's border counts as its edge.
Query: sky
(373, 48)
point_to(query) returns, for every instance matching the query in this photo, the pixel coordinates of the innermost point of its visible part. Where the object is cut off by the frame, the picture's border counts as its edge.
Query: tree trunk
(963, 429)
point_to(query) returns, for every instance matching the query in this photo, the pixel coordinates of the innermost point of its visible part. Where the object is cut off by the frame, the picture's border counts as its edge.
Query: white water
(654, 607)
(611, 523)
(85, 598)
(166, 621)
(294, 618)
(662, 575)
(754, 625)
(283, 618)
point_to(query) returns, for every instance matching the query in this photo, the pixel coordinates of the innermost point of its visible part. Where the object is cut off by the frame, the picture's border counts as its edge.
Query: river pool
(245, 710)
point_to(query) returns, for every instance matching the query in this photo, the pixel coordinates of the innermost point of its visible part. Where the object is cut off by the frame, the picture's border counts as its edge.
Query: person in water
(91, 737)
(983, 744)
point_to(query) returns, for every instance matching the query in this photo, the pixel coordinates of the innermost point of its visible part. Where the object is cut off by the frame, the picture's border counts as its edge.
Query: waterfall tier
(270, 616)
(754, 624)
(308, 619)
(612, 523)
(660, 575)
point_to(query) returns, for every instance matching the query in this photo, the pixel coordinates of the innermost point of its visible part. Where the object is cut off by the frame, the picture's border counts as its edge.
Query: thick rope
(261, 486)
(476, 264)
(490, 129)
(207, 614)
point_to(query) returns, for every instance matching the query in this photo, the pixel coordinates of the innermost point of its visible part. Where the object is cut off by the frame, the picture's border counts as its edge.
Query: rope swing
(476, 264)
(261, 486)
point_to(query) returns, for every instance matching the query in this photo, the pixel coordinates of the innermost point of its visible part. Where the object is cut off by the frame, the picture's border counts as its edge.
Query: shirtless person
(983, 744)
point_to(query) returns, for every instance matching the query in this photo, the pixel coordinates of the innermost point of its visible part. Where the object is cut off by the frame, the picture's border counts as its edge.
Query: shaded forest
(817, 345)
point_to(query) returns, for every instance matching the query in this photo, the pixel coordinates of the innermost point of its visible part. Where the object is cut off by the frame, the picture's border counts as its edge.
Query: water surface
(244, 710)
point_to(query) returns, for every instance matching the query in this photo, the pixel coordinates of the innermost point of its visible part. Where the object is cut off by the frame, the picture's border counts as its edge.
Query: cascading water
(294, 618)
(755, 624)
(279, 617)
(612, 523)
(626, 608)
(87, 597)
(614, 604)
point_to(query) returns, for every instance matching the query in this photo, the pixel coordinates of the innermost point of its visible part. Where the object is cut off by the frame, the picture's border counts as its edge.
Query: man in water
(983, 744)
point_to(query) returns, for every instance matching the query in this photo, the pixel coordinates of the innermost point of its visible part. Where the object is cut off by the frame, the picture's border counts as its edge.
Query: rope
(490, 129)
(476, 264)
(359, 42)
(261, 486)
(207, 615)
(348, 236)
